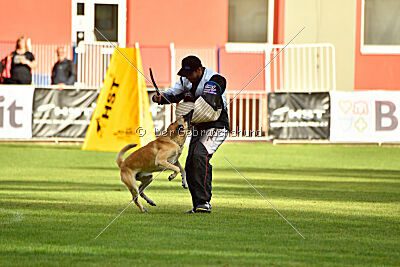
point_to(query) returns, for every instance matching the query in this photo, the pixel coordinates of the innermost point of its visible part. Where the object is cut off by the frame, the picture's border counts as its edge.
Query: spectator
(63, 72)
(22, 63)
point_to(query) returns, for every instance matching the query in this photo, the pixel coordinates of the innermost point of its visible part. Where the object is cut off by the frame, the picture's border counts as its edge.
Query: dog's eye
(180, 127)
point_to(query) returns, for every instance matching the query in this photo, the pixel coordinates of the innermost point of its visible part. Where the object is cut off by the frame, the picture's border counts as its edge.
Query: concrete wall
(326, 21)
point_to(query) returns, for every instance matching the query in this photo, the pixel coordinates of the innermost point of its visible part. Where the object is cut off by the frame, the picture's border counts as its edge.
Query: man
(206, 136)
(63, 72)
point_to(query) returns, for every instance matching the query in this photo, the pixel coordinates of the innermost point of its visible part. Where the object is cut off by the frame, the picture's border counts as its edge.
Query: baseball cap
(189, 64)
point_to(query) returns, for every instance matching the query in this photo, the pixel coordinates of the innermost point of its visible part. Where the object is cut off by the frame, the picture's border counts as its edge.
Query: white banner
(367, 116)
(16, 111)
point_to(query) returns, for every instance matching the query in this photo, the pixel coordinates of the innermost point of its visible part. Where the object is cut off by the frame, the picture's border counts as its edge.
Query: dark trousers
(198, 171)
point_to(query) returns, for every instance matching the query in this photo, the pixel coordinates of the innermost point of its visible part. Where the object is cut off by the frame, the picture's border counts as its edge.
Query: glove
(157, 98)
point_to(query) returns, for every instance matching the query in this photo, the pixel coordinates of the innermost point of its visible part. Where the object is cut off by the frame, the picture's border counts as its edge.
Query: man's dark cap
(189, 64)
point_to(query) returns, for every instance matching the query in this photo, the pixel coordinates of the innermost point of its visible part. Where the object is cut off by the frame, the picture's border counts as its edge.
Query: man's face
(61, 53)
(195, 76)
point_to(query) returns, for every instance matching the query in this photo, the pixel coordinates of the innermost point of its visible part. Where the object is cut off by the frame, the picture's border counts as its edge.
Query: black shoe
(190, 211)
(203, 208)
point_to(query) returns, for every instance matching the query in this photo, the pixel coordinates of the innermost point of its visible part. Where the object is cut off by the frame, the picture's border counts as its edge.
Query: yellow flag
(122, 114)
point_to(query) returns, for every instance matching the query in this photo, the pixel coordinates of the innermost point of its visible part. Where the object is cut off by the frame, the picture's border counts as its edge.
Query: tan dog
(158, 155)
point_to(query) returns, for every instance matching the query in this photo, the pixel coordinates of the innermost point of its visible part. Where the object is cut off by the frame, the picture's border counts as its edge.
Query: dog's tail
(122, 152)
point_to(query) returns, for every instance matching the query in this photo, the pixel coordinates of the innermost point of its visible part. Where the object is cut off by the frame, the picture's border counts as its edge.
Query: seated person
(64, 72)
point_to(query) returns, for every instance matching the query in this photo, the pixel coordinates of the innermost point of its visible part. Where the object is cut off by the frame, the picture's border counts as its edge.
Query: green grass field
(55, 199)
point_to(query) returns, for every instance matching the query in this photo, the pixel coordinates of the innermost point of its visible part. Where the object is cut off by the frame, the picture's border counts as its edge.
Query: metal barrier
(92, 63)
(303, 68)
(297, 68)
(248, 114)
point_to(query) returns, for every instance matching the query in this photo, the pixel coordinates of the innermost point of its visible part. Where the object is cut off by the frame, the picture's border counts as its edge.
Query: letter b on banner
(388, 116)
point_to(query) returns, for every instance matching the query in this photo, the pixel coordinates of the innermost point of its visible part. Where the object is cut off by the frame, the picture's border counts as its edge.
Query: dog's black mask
(188, 117)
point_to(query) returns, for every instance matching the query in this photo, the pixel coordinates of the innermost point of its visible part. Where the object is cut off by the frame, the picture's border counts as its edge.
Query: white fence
(296, 67)
(303, 68)
(92, 63)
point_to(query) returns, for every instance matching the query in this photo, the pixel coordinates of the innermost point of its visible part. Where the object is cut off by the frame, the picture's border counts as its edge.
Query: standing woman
(22, 63)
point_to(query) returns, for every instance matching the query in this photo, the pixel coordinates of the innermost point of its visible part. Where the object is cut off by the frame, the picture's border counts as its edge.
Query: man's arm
(172, 95)
(53, 73)
(72, 74)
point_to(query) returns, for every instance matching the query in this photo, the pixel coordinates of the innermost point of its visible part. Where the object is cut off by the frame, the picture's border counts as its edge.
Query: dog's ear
(188, 117)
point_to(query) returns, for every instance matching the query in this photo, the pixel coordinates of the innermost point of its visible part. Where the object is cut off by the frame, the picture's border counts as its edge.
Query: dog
(158, 155)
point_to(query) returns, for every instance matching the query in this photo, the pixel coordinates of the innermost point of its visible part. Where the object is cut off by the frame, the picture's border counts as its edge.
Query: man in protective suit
(196, 81)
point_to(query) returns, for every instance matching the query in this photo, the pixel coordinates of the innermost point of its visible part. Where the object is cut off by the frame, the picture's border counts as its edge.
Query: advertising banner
(63, 113)
(298, 115)
(16, 111)
(368, 116)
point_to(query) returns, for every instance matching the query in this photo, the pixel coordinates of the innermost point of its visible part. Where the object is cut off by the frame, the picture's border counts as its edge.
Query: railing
(92, 63)
(297, 68)
(303, 68)
(248, 114)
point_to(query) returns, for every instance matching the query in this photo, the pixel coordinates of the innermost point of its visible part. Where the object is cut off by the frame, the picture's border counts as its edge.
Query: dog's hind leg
(128, 178)
(142, 187)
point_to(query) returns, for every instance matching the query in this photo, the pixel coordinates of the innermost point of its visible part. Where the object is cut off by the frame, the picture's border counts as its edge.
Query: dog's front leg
(183, 174)
(168, 166)
(174, 174)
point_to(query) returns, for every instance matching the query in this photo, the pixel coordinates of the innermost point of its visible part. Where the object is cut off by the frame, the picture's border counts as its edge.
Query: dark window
(80, 9)
(106, 21)
(382, 22)
(248, 21)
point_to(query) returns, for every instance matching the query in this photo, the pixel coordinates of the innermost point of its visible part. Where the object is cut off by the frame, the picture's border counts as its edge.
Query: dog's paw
(151, 202)
(145, 210)
(184, 185)
(171, 177)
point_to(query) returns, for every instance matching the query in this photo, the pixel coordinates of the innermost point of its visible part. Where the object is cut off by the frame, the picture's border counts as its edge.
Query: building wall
(186, 23)
(279, 22)
(374, 71)
(326, 21)
(44, 21)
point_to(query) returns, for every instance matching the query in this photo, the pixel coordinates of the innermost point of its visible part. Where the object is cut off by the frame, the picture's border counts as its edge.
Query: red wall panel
(240, 68)
(187, 23)
(44, 21)
(159, 60)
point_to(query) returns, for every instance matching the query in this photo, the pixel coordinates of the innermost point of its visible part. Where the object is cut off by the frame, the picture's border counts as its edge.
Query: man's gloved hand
(157, 98)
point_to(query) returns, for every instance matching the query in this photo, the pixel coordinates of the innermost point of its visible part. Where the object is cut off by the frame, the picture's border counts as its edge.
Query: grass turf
(54, 199)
